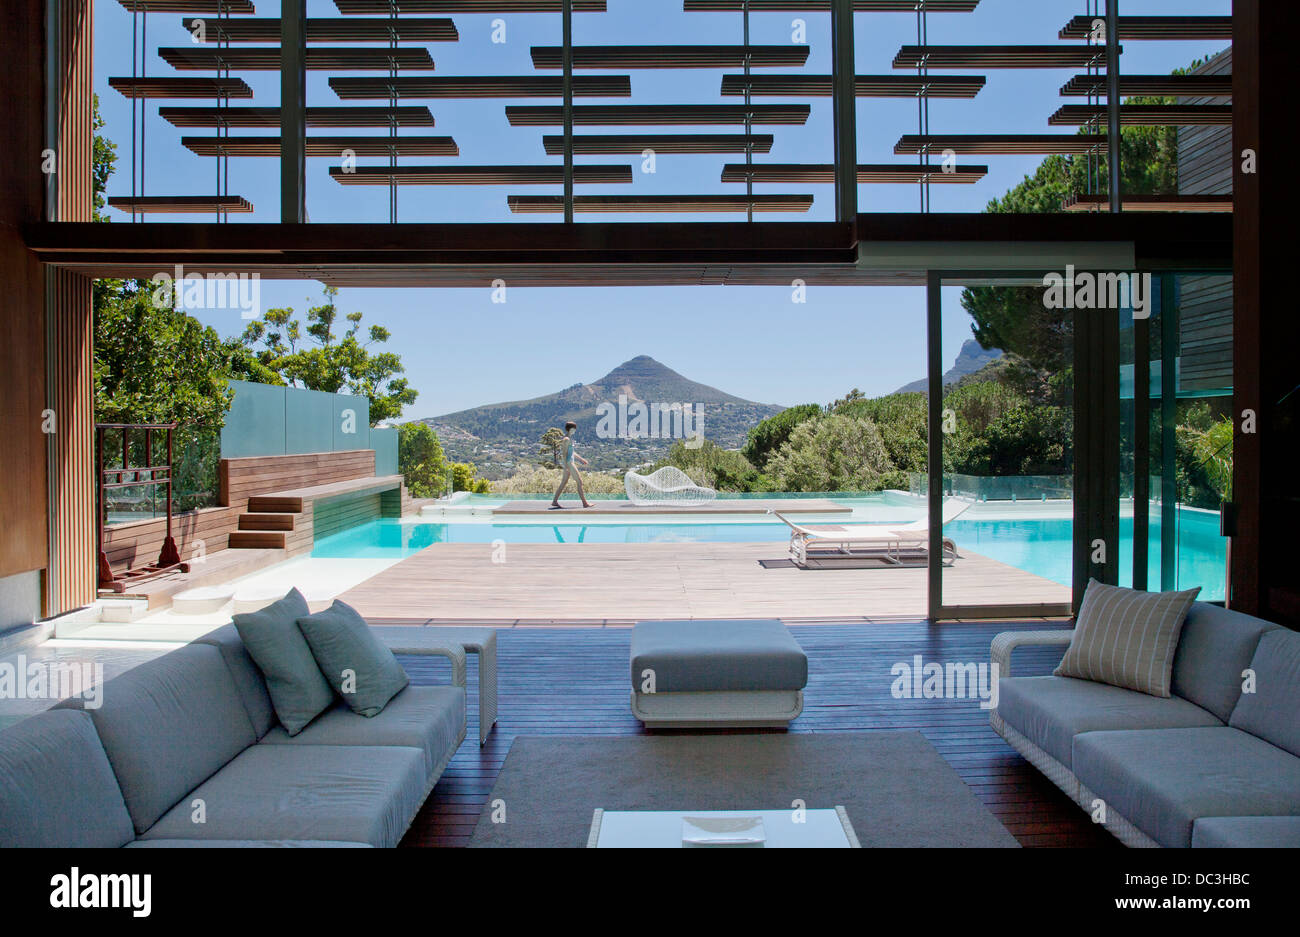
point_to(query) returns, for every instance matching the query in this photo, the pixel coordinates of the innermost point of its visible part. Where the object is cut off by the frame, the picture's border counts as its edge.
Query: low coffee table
(662, 829)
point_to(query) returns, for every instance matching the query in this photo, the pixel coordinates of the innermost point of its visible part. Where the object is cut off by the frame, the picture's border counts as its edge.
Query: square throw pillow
(1127, 638)
(298, 689)
(356, 663)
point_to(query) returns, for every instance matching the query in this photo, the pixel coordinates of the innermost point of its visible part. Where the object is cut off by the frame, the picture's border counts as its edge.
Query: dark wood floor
(575, 681)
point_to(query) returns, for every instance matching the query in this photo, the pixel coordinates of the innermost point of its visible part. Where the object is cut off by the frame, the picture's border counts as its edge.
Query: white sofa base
(720, 709)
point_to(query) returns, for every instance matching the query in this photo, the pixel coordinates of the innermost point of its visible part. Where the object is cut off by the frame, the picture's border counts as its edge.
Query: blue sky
(461, 349)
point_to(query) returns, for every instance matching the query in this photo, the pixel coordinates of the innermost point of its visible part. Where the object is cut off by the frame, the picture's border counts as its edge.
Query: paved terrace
(619, 583)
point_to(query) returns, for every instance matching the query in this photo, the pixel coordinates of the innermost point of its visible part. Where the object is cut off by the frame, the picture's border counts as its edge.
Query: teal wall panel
(309, 421)
(351, 425)
(384, 442)
(255, 424)
(265, 419)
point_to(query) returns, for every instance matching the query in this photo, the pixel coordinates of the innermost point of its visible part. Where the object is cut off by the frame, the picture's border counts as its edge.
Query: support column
(293, 111)
(845, 101)
(1265, 332)
(1114, 131)
(567, 17)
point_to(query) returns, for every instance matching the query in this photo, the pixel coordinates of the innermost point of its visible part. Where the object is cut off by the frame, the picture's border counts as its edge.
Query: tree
(154, 364)
(103, 161)
(1026, 440)
(462, 474)
(550, 444)
(832, 453)
(769, 435)
(902, 420)
(332, 364)
(420, 460)
(710, 465)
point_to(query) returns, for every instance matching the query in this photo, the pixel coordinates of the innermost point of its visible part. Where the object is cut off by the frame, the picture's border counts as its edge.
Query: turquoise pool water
(1036, 545)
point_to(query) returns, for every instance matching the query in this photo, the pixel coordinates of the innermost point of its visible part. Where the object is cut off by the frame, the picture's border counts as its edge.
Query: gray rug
(897, 789)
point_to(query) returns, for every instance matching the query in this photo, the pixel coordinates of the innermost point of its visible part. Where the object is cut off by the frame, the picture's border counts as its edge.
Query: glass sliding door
(1002, 394)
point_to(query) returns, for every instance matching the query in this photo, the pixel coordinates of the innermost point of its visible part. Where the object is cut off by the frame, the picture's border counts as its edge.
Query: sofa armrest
(1006, 642)
(450, 650)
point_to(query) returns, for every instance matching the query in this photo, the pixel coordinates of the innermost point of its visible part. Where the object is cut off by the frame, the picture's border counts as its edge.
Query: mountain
(970, 359)
(497, 436)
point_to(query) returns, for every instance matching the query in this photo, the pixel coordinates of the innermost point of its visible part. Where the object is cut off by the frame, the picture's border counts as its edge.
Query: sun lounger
(892, 544)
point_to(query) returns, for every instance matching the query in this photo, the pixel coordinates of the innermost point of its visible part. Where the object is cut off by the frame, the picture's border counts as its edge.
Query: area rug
(898, 791)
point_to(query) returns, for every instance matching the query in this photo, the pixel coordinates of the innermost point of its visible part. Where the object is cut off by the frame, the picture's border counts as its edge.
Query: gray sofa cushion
(1216, 645)
(1273, 711)
(1246, 833)
(1127, 638)
(430, 718)
(1051, 711)
(242, 844)
(703, 656)
(308, 792)
(168, 725)
(56, 787)
(249, 680)
(357, 665)
(298, 689)
(1163, 780)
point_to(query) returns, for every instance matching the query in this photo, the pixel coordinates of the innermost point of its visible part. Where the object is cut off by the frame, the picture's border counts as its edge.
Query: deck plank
(565, 583)
(575, 682)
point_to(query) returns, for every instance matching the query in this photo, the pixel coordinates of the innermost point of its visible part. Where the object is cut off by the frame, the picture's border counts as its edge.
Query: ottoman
(716, 674)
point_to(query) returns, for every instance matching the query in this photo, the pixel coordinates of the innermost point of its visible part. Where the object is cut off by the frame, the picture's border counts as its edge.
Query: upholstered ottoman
(709, 674)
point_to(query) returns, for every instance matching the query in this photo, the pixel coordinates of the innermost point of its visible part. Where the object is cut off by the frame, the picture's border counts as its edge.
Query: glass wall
(1007, 445)
(1186, 449)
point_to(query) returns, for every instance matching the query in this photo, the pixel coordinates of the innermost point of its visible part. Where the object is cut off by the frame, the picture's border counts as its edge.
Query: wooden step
(274, 504)
(267, 521)
(256, 540)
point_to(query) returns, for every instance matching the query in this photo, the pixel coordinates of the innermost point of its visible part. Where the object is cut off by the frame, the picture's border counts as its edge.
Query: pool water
(1035, 544)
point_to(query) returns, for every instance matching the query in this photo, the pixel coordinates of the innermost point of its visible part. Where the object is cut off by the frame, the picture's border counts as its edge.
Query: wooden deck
(620, 583)
(215, 568)
(725, 506)
(575, 682)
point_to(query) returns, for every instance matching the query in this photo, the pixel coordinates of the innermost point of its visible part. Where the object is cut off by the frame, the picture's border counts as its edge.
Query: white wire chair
(669, 486)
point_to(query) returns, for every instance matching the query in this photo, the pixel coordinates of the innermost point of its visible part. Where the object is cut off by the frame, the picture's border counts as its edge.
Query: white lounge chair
(669, 486)
(870, 541)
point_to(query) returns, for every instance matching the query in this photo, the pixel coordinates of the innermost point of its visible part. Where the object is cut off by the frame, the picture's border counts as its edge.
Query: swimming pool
(1031, 536)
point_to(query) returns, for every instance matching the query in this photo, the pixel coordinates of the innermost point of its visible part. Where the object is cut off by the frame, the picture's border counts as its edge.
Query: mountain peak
(639, 368)
(970, 359)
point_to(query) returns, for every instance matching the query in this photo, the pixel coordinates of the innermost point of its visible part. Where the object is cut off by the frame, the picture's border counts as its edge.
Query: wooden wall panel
(23, 521)
(72, 399)
(70, 328)
(1205, 168)
(254, 475)
(138, 543)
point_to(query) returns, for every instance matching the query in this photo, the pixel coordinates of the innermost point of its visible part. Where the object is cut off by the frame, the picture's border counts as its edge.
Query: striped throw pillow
(1127, 638)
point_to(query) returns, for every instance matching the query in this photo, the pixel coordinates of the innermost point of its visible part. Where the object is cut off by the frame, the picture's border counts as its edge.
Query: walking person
(570, 468)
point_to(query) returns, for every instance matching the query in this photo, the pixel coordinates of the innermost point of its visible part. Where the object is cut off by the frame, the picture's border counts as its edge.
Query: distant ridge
(970, 359)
